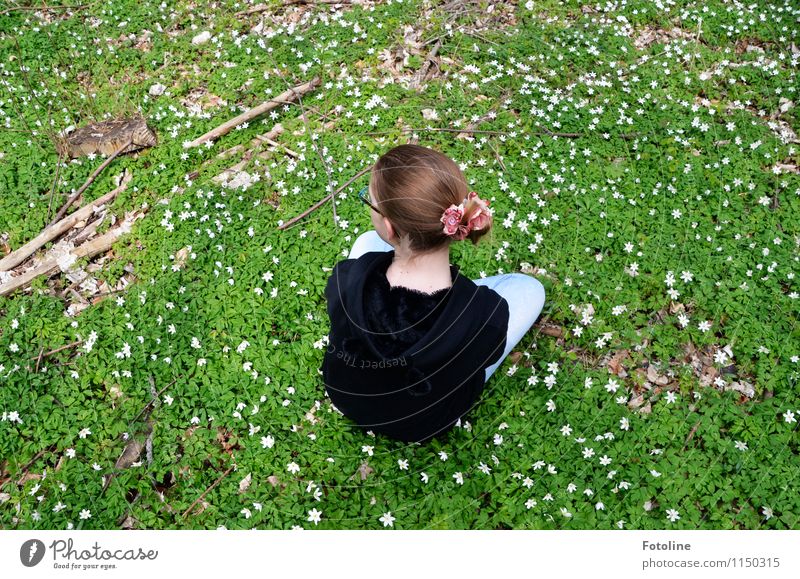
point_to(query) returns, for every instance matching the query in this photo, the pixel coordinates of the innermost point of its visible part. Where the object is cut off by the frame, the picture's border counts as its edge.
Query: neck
(422, 271)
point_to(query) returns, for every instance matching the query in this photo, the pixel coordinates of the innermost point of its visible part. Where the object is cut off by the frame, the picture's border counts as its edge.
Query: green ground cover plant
(641, 160)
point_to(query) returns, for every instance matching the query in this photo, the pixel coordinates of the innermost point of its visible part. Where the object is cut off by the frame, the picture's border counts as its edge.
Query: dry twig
(322, 201)
(208, 490)
(51, 352)
(89, 181)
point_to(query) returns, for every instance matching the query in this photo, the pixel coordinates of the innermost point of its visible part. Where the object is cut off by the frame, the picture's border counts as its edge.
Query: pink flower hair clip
(453, 215)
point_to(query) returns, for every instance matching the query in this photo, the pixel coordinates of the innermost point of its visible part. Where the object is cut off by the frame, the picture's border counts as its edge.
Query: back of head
(413, 186)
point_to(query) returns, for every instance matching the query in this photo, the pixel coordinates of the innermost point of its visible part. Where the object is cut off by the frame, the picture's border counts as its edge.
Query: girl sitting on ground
(412, 342)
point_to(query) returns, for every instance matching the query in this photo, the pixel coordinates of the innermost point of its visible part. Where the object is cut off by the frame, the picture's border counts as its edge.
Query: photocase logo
(31, 552)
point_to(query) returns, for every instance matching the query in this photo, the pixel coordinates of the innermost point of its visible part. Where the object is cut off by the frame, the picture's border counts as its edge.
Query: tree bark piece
(88, 249)
(420, 80)
(54, 230)
(283, 98)
(106, 137)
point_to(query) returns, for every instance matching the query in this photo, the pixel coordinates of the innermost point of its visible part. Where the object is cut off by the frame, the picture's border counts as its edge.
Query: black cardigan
(403, 363)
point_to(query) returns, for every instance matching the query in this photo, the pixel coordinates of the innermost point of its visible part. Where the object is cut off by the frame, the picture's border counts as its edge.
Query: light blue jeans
(524, 294)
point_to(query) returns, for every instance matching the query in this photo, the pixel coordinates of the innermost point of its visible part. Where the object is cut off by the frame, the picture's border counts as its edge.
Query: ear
(390, 230)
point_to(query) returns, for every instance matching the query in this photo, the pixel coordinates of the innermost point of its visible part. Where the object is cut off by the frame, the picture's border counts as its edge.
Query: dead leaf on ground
(275, 481)
(224, 438)
(654, 376)
(180, 256)
(130, 454)
(708, 375)
(636, 402)
(200, 507)
(29, 476)
(244, 484)
(554, 331)
(129, 523)
(364, 470)
(615, 363)
(742, 386)
(779, 168)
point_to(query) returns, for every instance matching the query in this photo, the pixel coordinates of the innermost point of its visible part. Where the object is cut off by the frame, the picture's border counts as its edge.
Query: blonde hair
(412, 186)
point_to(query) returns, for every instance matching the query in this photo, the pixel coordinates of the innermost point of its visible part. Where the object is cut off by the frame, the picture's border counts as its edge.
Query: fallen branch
(154, 399)
(477, 131)
(88, 249)
(92, 177)
(273, 133)
(55, 182)
(87, 231)
(278, 145)
(497, 156)
(264, 7)
(322, 201)
(691, 435)
(38, 361)
(57, 350)
(208, 490)
(55, 229)
(46, 8)
(256, 142)
(283, 98)
(25, 468)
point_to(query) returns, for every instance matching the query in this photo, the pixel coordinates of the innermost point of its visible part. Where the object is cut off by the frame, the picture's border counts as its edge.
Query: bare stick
(468, 130)
(321, 202)
(43, 8)
(273, 133)
(208, 490)
(55, 229)
(38, 361)
(264, 7)
(264, 107)
(155, 398)
(278, 145)
(89, 181)
(58, 349)
(497, 156)
(87, 231)
(55, 182)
